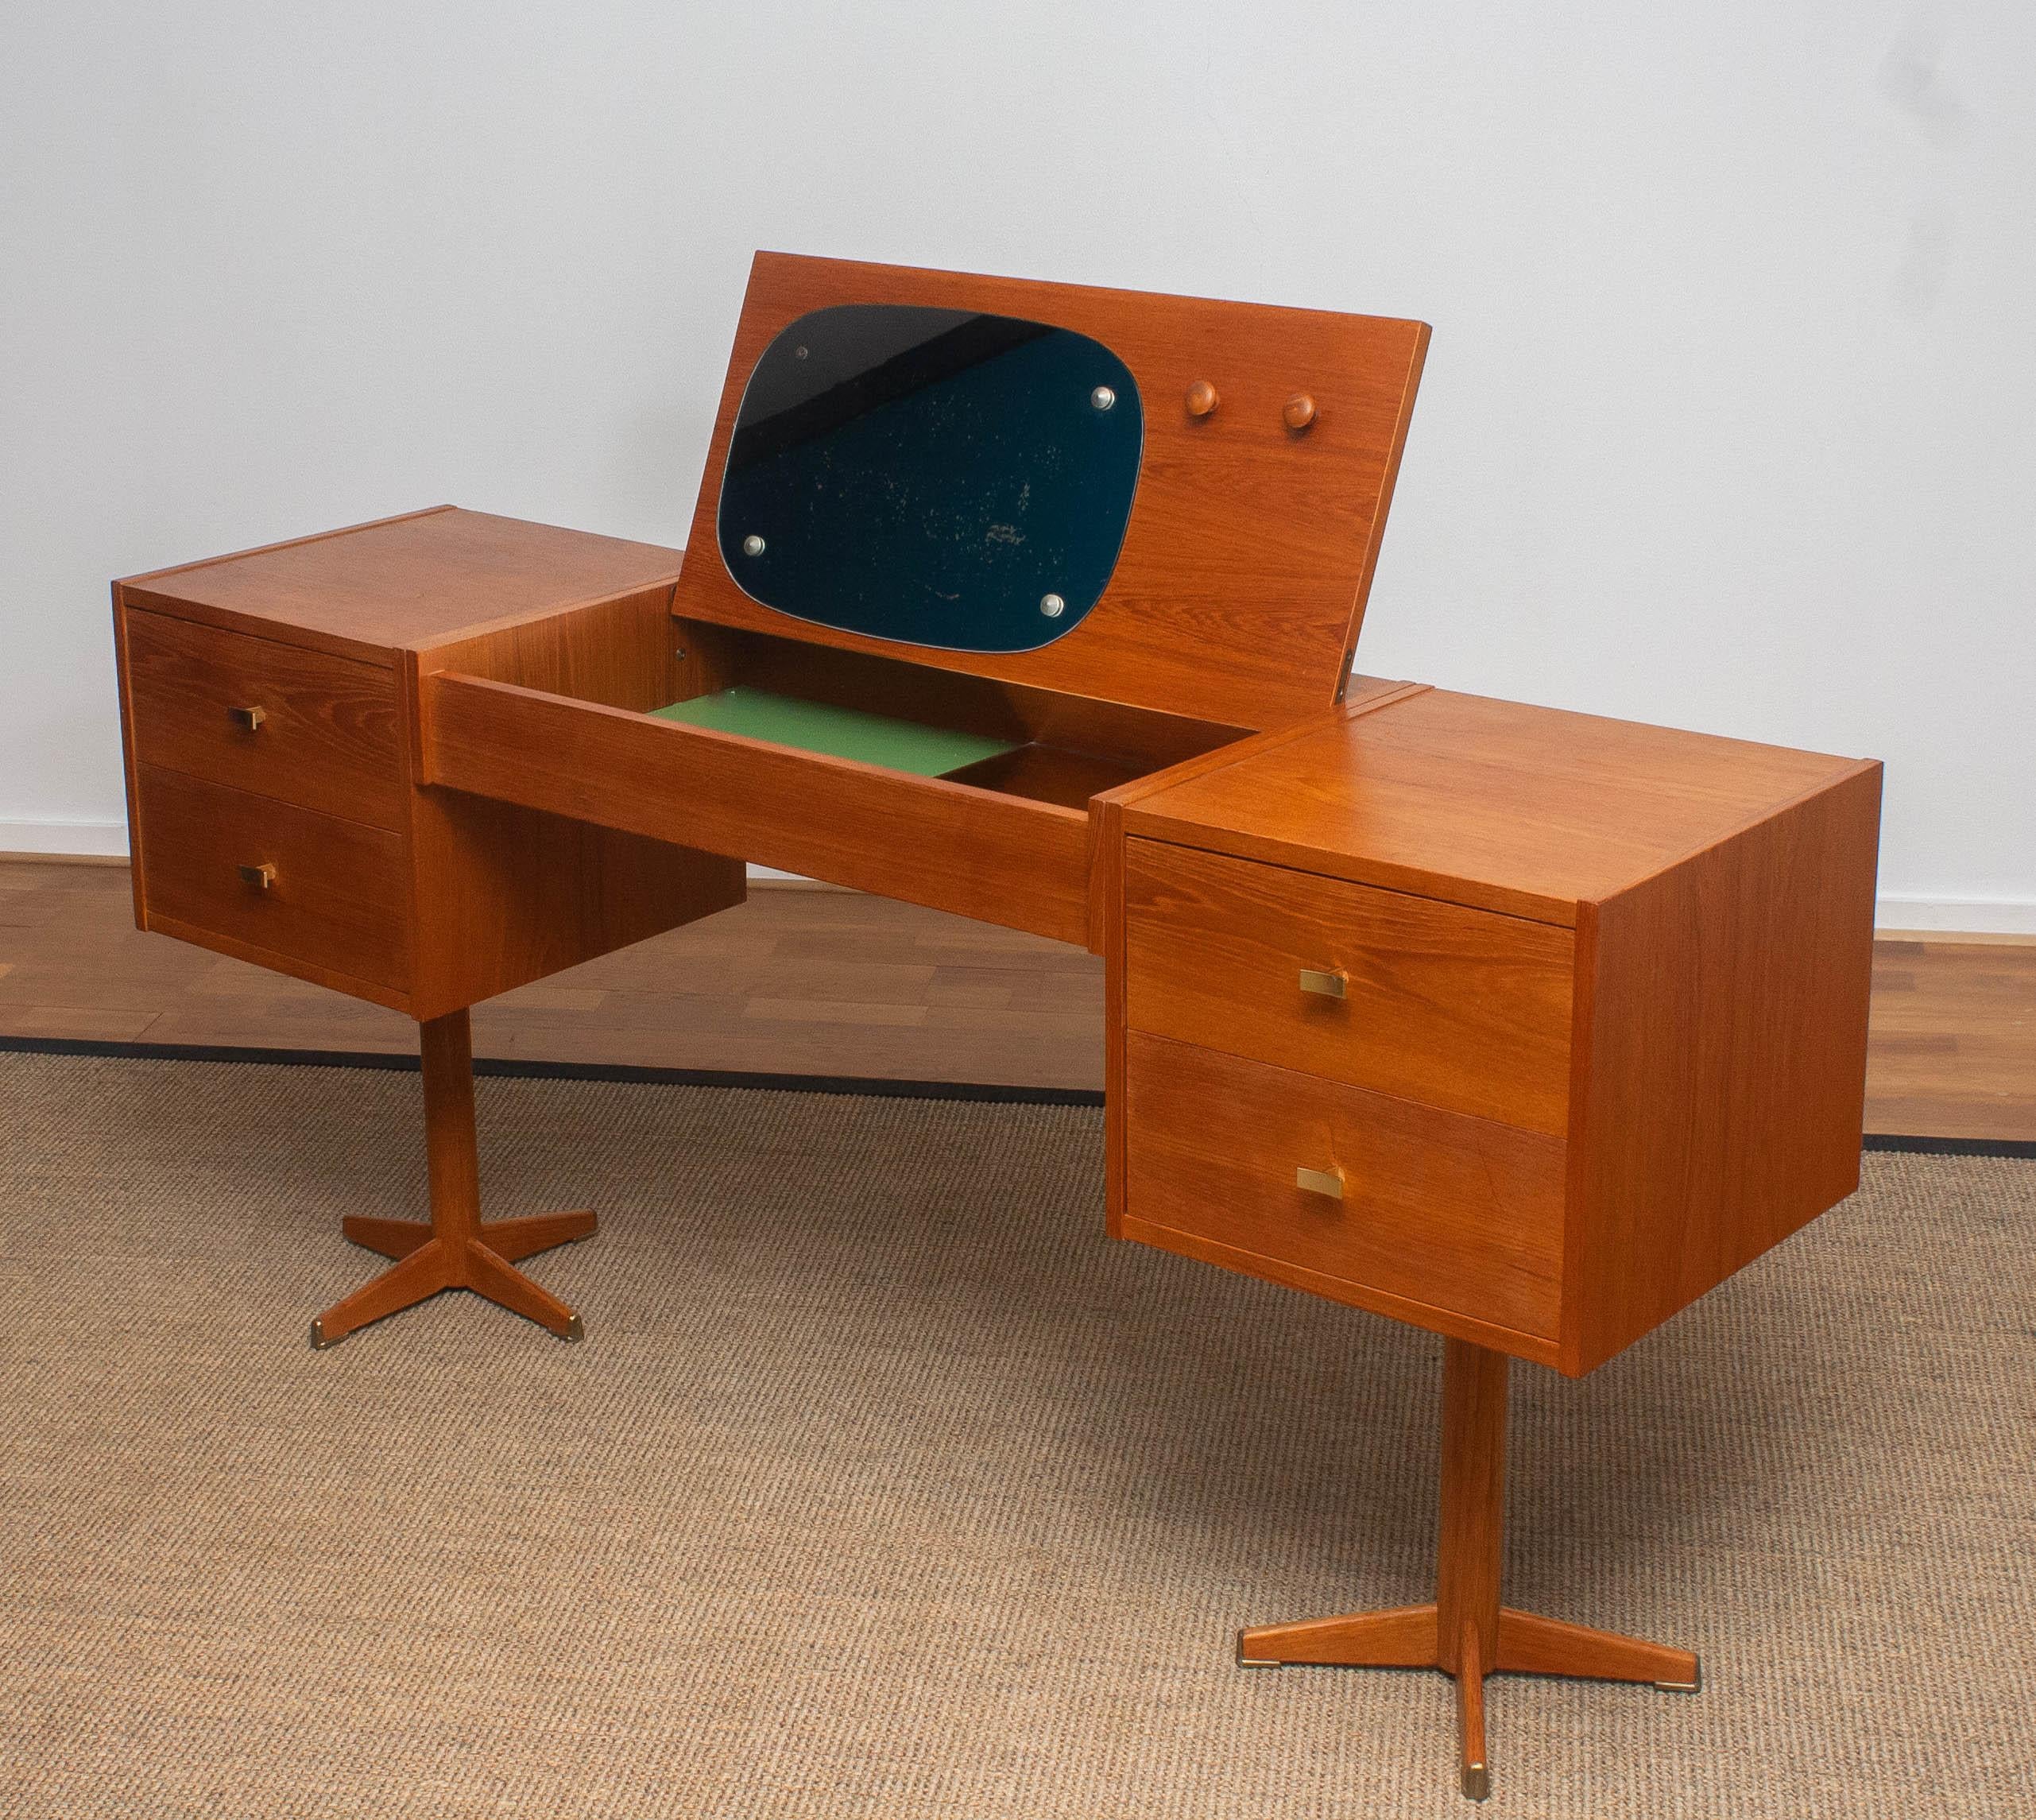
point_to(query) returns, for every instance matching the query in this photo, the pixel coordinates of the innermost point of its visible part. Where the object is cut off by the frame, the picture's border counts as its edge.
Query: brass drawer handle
(1329, 1182)
(248, 720)
(260, 876)
(1324, 985)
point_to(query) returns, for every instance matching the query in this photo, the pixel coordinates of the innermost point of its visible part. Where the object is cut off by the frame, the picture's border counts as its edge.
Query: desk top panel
(1526, 810)
(1238, 591)
(405, 583)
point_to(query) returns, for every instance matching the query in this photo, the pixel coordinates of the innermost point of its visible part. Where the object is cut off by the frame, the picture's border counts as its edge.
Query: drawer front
(1459, 1213)
(332, 893)
(310, 729)
(1458, 1009)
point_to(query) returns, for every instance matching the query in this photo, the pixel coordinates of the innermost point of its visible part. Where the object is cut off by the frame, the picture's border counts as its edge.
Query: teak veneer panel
(1460, 1215)
(1459, 1008)
(1722, 959)
(505, 895)
(1007, 859)
(617, 652)
(488, 896)
(1240, 586)
(399, 583)
(1719, 1082)
(337, 899)
(1523, 810)
(327, 739)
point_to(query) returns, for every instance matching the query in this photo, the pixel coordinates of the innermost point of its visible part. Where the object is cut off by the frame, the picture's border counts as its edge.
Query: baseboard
(1972, 915)
(62, 840)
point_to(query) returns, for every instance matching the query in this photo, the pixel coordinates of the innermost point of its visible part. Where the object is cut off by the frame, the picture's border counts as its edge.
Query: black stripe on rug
(868, 1087)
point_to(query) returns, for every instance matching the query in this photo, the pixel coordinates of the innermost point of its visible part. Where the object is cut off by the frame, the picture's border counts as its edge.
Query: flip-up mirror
(935, 476)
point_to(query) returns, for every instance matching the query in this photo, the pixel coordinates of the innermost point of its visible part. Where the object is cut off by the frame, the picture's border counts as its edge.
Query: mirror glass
(938, 476)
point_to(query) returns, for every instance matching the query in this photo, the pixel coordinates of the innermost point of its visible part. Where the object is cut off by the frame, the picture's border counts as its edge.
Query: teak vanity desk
(1527, 1028)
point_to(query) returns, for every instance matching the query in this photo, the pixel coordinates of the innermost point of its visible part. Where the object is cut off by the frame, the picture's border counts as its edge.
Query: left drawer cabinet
(301, 726)
(287, 881)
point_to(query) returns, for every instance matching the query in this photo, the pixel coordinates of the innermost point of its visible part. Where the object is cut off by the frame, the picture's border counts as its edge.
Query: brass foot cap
(1694, 1684)
(575, 1333)
(1477, 1782)
(319, 1342)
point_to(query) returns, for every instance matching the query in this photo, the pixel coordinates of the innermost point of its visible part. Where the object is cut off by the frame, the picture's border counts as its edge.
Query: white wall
(1730, 419)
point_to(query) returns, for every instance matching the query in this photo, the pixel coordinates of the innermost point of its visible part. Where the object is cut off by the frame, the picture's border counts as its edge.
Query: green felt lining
(840, 732)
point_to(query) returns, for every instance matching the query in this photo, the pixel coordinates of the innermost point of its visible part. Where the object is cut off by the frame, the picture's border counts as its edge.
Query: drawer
(1463, 1010)
(980, 853)
(1459, 1213)
(324, 733)
(335, 892)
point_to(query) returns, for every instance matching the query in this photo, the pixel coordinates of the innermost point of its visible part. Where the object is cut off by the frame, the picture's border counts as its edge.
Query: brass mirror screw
(1200, 398)
(250, 720)
(260, 876)
(1299, 411)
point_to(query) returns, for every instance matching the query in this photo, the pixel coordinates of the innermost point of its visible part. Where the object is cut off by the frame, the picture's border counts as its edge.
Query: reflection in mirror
(936, 477)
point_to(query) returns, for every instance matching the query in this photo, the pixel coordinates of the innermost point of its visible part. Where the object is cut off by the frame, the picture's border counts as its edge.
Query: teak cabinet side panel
(129, 762)
(1723, 1075)
(504, 893)
(617, 652)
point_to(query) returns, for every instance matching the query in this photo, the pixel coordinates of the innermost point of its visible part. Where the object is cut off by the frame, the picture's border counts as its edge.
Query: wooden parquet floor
(801, 980)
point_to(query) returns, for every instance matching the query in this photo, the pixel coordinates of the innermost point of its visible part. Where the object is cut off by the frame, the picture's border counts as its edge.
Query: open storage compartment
(1004, 836)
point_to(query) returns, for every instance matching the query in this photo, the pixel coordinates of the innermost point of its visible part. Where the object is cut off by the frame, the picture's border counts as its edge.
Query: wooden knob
(1200, 398)
(250, 720)
(1299, 411)
(260, 876)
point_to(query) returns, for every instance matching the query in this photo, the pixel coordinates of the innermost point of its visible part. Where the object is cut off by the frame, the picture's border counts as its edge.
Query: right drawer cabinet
(1359, 1091)
(1526, 1027)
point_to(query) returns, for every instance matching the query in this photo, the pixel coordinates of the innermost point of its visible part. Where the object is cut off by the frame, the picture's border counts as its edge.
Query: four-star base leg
(457, 1249)
(1466, 1633)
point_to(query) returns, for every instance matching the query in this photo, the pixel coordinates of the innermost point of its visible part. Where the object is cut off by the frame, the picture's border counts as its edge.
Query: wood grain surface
(326, 738)
(1241, 583)
(1720, 1066)
(505, 895)
(1458, 1009)
(423, 579)
(620, 651)
(338, 900)
(1002, 859)
(1523, 810)
(1462, 1214)
(1721, 896)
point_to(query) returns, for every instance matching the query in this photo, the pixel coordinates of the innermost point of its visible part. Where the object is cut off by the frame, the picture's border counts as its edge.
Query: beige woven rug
(884, 1485)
